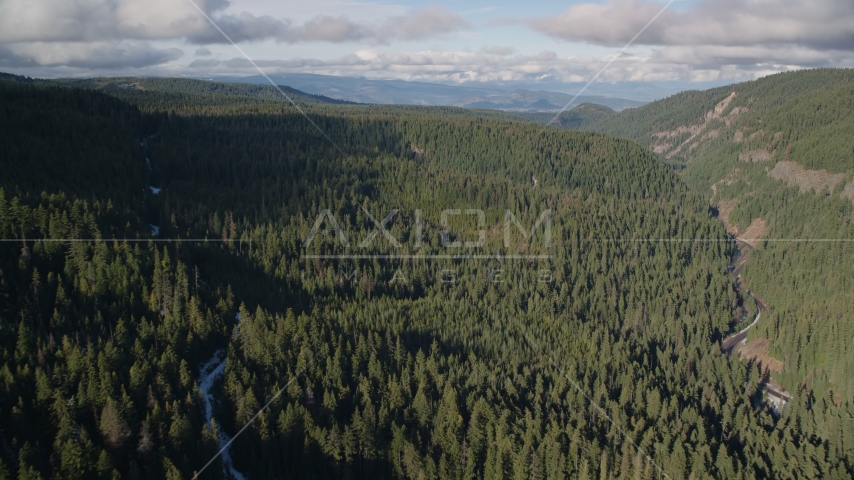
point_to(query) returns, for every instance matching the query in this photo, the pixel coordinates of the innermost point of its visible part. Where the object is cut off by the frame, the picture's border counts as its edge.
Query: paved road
(733, 341)
(740, 258)
(730, 343)
(737, 265)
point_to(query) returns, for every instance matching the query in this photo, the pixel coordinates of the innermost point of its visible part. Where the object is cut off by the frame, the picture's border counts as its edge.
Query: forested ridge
(814, 259)
(776, 157)
(176, 86)
(388, 369)
(658, 123)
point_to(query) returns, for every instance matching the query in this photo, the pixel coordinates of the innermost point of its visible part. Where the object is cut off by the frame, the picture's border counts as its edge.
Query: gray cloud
(102, 20)
(10, 59)
(418, 25)
(746, 36)
(204, 63)
(715, 56)
(116, 33)
(87, 55)
(818, 24)
(711, 40)
(423, 24)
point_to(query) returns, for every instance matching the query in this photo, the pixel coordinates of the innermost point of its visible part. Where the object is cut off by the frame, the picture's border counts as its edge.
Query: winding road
(739, 338)
(730, 343)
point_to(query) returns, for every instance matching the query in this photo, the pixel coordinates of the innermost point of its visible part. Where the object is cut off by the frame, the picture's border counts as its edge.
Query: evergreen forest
(393, 292)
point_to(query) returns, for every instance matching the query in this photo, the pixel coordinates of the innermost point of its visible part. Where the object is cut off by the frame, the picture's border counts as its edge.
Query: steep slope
(687, 125)
(791, 182)
(776, 158)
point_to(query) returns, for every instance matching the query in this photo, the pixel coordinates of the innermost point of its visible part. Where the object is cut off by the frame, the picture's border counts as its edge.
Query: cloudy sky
(447, 41)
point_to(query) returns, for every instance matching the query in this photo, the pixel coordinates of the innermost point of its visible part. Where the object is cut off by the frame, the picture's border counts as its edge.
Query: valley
(122, 348)
(771, 157)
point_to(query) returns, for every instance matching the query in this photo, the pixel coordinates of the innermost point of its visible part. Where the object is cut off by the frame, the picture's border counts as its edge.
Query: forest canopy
(129, 351)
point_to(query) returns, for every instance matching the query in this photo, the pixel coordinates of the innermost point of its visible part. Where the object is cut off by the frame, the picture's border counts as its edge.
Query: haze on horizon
(467, 41)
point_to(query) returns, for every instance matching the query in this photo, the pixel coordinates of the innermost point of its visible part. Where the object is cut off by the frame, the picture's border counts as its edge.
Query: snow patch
(148, 162)
(154, 190)
(155, 229)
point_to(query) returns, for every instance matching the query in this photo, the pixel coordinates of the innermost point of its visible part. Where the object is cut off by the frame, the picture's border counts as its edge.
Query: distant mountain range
(517, 97)
(542, 101)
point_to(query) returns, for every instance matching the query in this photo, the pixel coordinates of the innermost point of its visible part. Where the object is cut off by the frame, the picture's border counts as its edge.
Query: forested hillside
(582, 117)
(173, 88)
(396, 356)
(688, 125)
(776, 158)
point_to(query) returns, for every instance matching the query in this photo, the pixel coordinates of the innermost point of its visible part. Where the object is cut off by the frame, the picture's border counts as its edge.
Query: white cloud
(109, 33)
(817, 23)
(710, 40)
(423, 24)
(498, 65)
(714, 38)
(94, 20)
(610, 24)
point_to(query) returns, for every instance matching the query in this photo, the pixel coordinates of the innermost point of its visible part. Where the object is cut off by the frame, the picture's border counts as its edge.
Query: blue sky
(463, 41)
